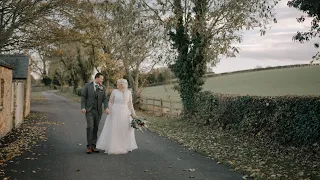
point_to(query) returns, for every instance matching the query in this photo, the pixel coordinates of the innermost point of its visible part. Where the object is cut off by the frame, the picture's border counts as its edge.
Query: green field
(275, 82)
(36, 95)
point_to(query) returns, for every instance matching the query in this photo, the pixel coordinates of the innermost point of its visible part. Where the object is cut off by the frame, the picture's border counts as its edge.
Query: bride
(117, 136)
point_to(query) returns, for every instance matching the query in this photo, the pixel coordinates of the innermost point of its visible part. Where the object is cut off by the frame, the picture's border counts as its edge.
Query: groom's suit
(93, 96)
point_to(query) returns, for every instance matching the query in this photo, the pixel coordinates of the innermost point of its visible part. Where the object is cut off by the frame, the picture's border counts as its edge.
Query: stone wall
(6, 123)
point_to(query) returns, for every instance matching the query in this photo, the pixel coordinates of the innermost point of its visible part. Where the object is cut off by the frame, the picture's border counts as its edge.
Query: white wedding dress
(117, 136)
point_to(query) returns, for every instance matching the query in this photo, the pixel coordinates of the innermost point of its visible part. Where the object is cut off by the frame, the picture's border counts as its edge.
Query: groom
(93, 95)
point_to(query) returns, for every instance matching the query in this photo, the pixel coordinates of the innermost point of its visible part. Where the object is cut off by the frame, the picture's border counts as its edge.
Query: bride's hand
(133, 116)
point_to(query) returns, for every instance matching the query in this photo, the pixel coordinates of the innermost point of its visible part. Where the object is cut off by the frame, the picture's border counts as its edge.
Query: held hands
(107, 111)
(133, 115)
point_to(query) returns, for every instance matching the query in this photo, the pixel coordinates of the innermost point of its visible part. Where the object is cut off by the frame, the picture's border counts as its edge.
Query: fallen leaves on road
(24, 138)
(191, 170)
(254, 157)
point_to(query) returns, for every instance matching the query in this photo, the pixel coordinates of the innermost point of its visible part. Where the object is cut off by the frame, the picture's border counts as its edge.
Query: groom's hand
(107, 111)
(83, 111)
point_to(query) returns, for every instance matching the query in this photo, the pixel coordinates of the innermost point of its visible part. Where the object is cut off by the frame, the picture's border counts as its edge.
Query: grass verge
(69, 95)
(257, 159)
(37, 97)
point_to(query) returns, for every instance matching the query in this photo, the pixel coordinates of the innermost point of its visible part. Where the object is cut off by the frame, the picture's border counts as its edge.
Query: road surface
(156, 159)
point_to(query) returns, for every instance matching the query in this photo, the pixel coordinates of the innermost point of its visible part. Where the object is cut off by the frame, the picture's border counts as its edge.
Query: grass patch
(37, 97)
(69, 95)
(258, 159)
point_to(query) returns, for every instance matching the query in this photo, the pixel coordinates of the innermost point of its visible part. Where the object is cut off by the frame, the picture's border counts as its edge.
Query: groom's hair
(98, 75)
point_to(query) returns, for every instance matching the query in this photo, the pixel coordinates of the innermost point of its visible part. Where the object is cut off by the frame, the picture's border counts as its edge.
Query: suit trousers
(93, 119)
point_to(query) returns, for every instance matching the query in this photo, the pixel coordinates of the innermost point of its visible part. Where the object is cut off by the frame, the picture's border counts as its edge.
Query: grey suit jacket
(88, 97)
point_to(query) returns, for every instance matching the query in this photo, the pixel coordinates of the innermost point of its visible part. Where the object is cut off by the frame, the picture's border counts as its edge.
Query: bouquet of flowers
(138, 124)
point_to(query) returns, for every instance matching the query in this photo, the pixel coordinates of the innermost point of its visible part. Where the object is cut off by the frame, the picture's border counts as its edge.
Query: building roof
(19, 63)
(4, 64)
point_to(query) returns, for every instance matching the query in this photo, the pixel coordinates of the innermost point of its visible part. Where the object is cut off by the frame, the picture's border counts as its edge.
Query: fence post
(161, 103)
(153, 106)
(170, 107)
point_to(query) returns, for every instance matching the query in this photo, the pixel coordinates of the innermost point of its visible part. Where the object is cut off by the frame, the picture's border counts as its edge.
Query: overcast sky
(275, 48)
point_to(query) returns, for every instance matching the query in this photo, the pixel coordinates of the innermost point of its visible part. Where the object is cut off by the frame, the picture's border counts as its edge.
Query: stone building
(6, 118)
(21, 86)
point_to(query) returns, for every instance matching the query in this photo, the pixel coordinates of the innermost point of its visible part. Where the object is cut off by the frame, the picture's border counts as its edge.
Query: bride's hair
(126, 93)
(124, 82)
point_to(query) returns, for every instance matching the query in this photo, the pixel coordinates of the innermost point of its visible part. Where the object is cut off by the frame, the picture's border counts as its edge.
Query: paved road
(156, 159)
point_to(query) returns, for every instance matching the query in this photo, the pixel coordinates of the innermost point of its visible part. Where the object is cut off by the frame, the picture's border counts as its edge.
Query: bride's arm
(111, 100)
(130, 104)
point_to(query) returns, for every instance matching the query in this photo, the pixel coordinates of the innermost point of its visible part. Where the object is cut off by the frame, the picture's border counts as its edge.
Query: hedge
(289, 120)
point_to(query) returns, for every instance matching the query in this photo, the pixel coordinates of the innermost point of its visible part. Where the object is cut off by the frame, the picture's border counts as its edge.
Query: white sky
(275, 48)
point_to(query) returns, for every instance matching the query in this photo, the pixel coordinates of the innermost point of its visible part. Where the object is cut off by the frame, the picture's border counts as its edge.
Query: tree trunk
(44, 73)
(136, 92)
(83, 69)
(75, 86)
(75, 81)
(190, 65)
(107, 85)
(134, 82)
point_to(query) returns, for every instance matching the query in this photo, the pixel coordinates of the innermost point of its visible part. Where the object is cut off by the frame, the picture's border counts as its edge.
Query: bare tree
(16, 16)
(133, 39)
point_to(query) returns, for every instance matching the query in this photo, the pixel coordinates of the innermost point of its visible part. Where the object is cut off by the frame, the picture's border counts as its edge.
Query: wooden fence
(162, 107)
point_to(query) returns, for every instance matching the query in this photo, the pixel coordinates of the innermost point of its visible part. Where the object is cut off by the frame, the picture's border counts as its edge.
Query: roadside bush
(289, 120)
(79, 91)
(46, 80)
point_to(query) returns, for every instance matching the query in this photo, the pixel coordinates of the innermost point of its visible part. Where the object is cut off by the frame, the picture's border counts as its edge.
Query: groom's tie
(97, 86)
